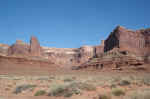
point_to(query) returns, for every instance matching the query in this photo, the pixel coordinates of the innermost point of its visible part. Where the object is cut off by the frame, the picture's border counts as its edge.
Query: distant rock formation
(86, 52)
(62, 56)
(99, 49)
(19, 49)
(35, 48)
(22, 49)
(137, 42)
(121, 39)
(4, 49)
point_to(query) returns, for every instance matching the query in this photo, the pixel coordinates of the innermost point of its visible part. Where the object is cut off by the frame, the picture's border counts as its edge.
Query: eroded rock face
(35, 49)
(4, 49)
(99, 49)
(137, 42)
(86, 52)
(62, 56)
(69, 56)
(22, 49)
(19, 49)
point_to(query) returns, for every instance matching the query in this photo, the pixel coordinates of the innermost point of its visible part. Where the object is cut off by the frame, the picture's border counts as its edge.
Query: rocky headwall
(137, 42)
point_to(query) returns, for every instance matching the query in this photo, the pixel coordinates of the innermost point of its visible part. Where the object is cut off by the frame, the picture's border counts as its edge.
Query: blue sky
(69, 23)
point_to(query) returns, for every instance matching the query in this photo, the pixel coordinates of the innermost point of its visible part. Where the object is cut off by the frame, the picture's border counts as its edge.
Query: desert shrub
(113, 85)
(64, 90)
(118, 92)
(103, 96)
(68, 94)
(40, 93)
(43, 78)
(68, 79)
(124, 83)
(57, 90)
(146, 80)
(87, 87)
(51, 77)
(75, 87)
(21, 88)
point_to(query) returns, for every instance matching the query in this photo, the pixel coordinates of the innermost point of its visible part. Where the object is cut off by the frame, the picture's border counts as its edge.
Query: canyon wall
(125, 40)
(137, 42)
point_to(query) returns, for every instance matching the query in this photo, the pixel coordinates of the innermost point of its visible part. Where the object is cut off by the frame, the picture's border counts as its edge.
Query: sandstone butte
(131, 45)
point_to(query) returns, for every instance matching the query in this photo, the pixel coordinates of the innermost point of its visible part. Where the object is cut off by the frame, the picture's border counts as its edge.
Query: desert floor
(69, 84)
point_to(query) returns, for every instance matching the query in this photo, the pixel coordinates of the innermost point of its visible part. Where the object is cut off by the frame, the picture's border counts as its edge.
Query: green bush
(118, 91)
(40, 93)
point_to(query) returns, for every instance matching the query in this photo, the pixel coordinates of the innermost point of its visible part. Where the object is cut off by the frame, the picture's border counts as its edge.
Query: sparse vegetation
(87, 87)
(142, 94)
(146, 80)
(40, 93)
(21, 88)
(57, 90)
(124, 82)
(66, 90)
(71, 85)
(68, 79)
(118, 92)
(103, 96)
